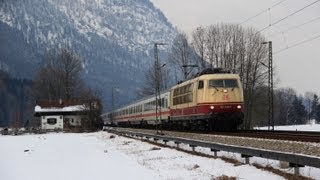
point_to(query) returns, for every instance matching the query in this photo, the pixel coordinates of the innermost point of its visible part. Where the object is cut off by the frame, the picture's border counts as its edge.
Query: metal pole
(271, 83)
(157, 79)
(112, 101)
(270, 86)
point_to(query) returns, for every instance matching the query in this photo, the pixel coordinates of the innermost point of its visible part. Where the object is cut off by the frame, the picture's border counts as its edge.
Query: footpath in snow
(96, 156)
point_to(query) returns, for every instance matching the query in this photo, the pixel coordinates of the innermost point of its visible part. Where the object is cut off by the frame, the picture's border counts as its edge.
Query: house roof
(58, 103)
(58, 107)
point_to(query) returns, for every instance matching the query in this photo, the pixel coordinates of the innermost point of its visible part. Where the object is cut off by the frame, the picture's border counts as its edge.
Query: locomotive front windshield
(223, 83)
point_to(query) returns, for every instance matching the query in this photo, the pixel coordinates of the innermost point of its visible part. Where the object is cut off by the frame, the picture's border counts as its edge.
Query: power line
(288, 16)
(252, 17)
(295, 27)
(297, 44)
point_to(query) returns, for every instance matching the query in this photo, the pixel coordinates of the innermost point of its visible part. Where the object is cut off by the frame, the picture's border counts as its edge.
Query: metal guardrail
(295, 160)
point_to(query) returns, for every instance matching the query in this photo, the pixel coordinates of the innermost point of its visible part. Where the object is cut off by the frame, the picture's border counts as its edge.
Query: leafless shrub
(126, 143)
(196, 166)
(155, 148)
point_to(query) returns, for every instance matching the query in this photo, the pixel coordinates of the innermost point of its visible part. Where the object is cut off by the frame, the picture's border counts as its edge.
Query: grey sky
(298, 67)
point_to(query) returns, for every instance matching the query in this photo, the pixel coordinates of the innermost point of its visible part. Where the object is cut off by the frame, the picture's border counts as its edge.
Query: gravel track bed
(312, 149)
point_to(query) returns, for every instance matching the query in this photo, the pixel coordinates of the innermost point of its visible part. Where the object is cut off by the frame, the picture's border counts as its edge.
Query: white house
(58, 115)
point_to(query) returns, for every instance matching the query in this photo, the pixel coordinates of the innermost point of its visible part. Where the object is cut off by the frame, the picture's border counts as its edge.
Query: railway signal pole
(112, 104)
(270, 86)
(157, 84)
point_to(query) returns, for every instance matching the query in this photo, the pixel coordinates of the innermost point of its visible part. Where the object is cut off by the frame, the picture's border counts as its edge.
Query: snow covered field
(95, 156)
(312, 126)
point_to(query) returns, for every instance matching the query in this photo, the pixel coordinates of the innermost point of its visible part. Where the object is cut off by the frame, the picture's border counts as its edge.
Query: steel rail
(298, 136)
(302, 136)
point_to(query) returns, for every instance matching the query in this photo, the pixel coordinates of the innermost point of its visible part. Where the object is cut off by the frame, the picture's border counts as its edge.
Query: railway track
(299, 136)
(302, 136)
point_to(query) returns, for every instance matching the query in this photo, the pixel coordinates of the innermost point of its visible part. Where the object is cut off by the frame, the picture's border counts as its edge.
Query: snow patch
(64, 109)
(305, 127)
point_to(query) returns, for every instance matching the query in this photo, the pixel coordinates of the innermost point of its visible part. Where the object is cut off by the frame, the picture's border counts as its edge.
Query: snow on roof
(60, 109)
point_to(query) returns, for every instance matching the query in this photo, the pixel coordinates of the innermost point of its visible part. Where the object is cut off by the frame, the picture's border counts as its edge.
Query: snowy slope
(131, 24)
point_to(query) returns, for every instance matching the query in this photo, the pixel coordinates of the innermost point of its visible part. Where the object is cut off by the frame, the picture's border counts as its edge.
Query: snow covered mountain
(114, 37)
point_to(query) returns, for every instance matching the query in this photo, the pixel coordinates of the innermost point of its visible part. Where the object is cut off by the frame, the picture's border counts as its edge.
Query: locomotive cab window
(223, 83)
(230, 83)
(200, 85)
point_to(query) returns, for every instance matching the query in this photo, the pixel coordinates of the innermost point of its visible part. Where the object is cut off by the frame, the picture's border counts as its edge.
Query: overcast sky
(297, 67)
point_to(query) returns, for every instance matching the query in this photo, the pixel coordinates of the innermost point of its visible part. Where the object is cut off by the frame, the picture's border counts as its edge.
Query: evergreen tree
(317, 113)
(297, 113)
(315, 108)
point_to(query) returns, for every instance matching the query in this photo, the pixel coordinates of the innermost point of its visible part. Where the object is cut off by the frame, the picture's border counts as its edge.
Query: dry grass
(231, 161)
(288, 176)
(224, 177)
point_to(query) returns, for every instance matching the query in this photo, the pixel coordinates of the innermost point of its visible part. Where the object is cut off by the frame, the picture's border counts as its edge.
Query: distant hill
(114, 37)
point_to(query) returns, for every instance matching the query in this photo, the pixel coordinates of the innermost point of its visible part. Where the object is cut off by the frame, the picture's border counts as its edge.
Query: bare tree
(93, 109)
(284, 98)
(149, 86)
(60, 76)
(308, 97)
(181, 54)
(199, 46)
(239, 50)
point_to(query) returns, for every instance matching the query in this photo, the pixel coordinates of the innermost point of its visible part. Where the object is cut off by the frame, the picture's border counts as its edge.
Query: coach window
(200, 85)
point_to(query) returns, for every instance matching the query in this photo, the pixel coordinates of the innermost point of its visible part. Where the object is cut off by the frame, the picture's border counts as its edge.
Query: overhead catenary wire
(284, 18)
(295, 27)
(297, 44)
(252, 17)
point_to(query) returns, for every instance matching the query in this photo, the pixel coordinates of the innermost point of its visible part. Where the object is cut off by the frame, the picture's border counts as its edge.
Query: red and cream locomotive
(211, 100)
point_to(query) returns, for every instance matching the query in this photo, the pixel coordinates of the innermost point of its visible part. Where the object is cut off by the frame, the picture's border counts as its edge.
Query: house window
(52, 121)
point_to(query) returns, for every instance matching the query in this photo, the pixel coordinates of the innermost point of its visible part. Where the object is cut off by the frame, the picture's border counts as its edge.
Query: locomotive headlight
(239, 107)
(211, 107)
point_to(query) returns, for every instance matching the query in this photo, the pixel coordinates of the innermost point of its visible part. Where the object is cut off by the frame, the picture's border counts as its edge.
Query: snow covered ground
(96, 156)
(312, 126)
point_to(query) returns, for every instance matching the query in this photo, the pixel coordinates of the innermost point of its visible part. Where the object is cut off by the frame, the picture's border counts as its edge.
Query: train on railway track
(212, 100)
